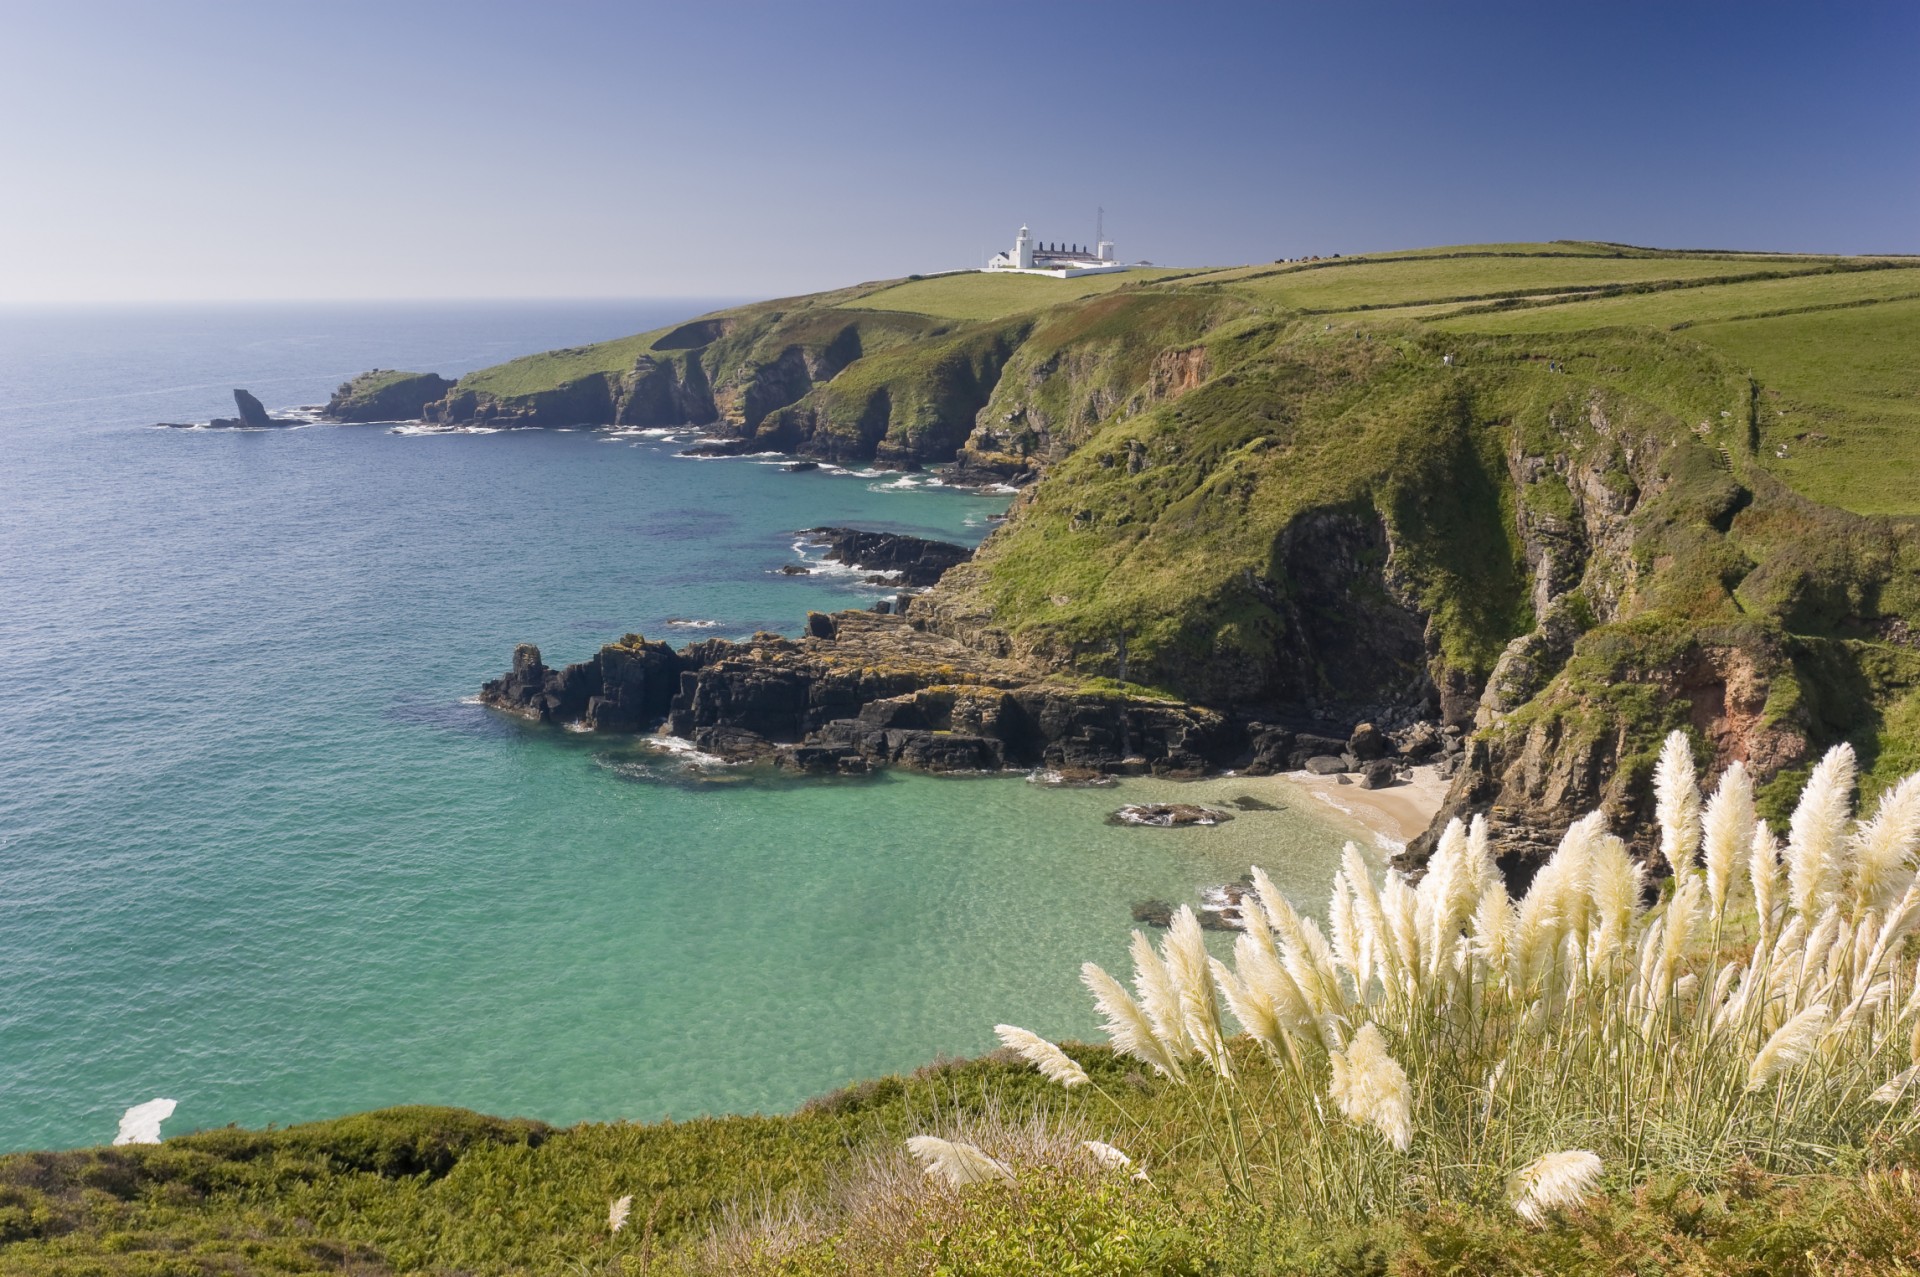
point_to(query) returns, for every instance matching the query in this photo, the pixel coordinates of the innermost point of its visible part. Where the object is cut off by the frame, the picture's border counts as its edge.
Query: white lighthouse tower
(1022, 251)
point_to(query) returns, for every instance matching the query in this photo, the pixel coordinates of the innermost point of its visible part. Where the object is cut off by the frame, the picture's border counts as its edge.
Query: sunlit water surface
(261, 853)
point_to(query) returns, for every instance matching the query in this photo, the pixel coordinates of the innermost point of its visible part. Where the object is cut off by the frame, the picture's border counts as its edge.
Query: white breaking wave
(141, 1123)
(682, 748)
(693, 625)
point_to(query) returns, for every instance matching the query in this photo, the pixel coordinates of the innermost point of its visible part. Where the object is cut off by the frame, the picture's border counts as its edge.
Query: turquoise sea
(261, 853)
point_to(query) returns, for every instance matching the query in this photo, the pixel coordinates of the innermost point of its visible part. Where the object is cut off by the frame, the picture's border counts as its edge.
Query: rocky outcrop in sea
(253, 416)
(859, 691)
(906, 560)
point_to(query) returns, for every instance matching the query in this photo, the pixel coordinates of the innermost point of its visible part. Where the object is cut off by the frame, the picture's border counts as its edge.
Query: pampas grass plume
(1815, 846)
(959, 1164)
(1126, 1024)
(1556, 1180)
(1056, 1065)
(1728, 832)
(1790, 1045)
(1677, 802)
(1371, 1088)
(617, 1213)
(1884, 845)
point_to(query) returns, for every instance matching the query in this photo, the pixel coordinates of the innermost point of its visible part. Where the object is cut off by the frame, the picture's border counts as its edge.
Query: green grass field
(1350, 286)
(1838, 371)
(1704, 304)
(1842, 400)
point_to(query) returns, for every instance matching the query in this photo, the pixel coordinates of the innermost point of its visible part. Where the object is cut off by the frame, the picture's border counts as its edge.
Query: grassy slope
(443, 1191)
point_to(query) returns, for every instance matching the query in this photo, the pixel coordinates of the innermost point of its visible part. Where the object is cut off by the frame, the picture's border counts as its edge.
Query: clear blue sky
(305, 150)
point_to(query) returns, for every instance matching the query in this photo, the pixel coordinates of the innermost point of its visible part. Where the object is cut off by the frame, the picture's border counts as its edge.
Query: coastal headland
(1530, 505)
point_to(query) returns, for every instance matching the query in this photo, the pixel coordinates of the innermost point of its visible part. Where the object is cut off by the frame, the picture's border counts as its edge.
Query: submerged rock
(1155, 913)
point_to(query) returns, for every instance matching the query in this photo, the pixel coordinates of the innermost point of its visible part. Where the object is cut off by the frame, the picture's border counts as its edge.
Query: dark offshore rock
(252, 415)
(622, 687)
(386, 395)
(735, 744)
(252, 412)
(917, 561)
(1155, 913)
(721, 448)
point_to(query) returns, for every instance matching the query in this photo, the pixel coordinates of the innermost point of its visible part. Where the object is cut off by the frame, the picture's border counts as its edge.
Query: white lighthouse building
(1061, 261)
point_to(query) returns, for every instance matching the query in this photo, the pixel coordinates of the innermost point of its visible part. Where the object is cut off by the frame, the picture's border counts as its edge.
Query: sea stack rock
(252, 412)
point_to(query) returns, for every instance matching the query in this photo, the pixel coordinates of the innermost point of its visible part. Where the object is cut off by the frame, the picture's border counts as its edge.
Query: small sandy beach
(1397, 814)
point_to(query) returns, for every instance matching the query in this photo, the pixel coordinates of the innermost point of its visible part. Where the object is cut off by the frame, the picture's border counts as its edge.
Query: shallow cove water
(260, 852)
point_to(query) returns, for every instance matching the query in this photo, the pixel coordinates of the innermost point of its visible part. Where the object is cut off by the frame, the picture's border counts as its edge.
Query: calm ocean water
(260, 853)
